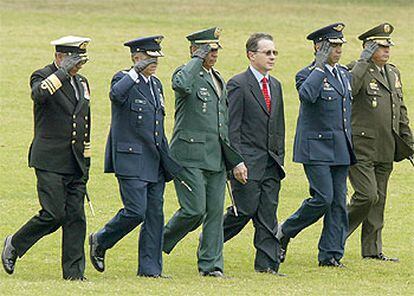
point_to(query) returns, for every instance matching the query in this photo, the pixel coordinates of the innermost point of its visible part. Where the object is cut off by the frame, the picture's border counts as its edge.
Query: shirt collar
(379, 68)
(259, 76)
(146, 79)
(208, 71)
(330, 68)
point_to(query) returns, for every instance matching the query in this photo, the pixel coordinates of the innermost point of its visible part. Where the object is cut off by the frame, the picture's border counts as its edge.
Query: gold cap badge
(338, 28)
(159, 39)
(217, 32)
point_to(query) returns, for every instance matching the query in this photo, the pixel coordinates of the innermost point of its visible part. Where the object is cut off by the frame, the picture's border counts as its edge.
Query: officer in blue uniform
(137, 152)
(323, 146)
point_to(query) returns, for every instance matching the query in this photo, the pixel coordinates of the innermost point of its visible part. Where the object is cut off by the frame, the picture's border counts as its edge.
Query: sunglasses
(268, 52)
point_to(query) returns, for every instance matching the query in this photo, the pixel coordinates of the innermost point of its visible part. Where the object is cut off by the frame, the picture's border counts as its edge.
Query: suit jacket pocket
(138, 111)
(131, 148)
(329, 101)
(128, 159)
(373, 89)
(321, 146)
(364, 142)
(204, 94)
(191, 146)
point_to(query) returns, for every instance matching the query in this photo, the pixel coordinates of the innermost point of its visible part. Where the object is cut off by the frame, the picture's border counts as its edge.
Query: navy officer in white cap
(137, 153)
(60, 154)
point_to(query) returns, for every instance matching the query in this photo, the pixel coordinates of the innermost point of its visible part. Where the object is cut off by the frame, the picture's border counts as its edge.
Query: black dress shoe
(382, 257)
(283, 243)
(272, 272)
(216, 273)
(331, 263)
(9, 255)
(96, 254)
(156, 276)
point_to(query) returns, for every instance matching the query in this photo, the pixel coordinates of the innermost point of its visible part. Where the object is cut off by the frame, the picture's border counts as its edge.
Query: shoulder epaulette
(393, 66)
(343, 66)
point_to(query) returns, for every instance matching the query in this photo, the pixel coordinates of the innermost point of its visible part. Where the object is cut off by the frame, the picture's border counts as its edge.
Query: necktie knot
(335, 72)
(264, 80)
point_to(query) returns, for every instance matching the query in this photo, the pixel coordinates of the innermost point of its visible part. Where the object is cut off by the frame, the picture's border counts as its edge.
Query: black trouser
(61, 197)
(257, 201)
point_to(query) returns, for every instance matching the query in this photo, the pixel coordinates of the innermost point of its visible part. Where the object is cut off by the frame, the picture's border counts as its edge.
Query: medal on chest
(397, 81)
(374, 103)
(85, 91)
(326, 85)
(373, 85)
(161, 98)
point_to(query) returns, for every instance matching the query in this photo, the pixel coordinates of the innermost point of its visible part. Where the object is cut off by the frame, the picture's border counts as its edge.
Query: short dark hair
(252, 42)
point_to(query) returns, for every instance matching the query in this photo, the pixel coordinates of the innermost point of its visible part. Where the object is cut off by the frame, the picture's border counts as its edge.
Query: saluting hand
(369, 49)
(142, 64)
(322, 54)
(240, 173)
(202, 51)
(72, 63)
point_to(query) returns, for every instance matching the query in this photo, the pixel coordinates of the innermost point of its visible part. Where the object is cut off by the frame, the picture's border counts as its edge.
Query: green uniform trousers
(369, 180)
(203, 205)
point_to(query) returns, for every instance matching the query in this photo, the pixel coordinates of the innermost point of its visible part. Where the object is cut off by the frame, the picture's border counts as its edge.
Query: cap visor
(384, 42)
(215, 45)
(155, 54)
(337, 40)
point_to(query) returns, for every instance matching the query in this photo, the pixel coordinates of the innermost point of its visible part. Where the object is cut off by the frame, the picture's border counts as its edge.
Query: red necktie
(265, 92)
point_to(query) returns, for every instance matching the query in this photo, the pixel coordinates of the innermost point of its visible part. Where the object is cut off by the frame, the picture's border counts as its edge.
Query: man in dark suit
(60, 154)
(137, 152)
(257, 131)
(323, 145)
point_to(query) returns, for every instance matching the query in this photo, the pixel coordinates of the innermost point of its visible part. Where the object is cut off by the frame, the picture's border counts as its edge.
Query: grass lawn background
(27, 27)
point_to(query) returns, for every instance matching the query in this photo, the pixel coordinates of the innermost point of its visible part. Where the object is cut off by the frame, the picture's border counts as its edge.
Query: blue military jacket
(137, 146)
(323, 132)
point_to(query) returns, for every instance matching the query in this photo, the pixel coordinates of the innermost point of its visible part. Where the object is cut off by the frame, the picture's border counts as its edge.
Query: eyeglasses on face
(268, 52)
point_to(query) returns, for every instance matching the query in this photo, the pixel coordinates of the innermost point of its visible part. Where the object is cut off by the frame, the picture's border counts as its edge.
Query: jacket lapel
(81, 94)
(345, 82)
(67, 89)
(209, 79)
(275, 95)
(334, 81)
(156, 92)
(144, 89)
(220, 81)
(391, 77)
(256, 91)
(373, 70)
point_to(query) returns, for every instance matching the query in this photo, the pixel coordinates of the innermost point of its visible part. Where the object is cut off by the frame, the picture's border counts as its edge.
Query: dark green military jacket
(200, 137)
(379, 115)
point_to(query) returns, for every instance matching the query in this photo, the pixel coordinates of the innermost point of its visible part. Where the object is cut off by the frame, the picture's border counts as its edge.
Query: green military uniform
(380, 134)
(200, 143)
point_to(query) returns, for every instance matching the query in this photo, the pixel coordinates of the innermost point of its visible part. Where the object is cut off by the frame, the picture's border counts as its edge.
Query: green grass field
(27, 27)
